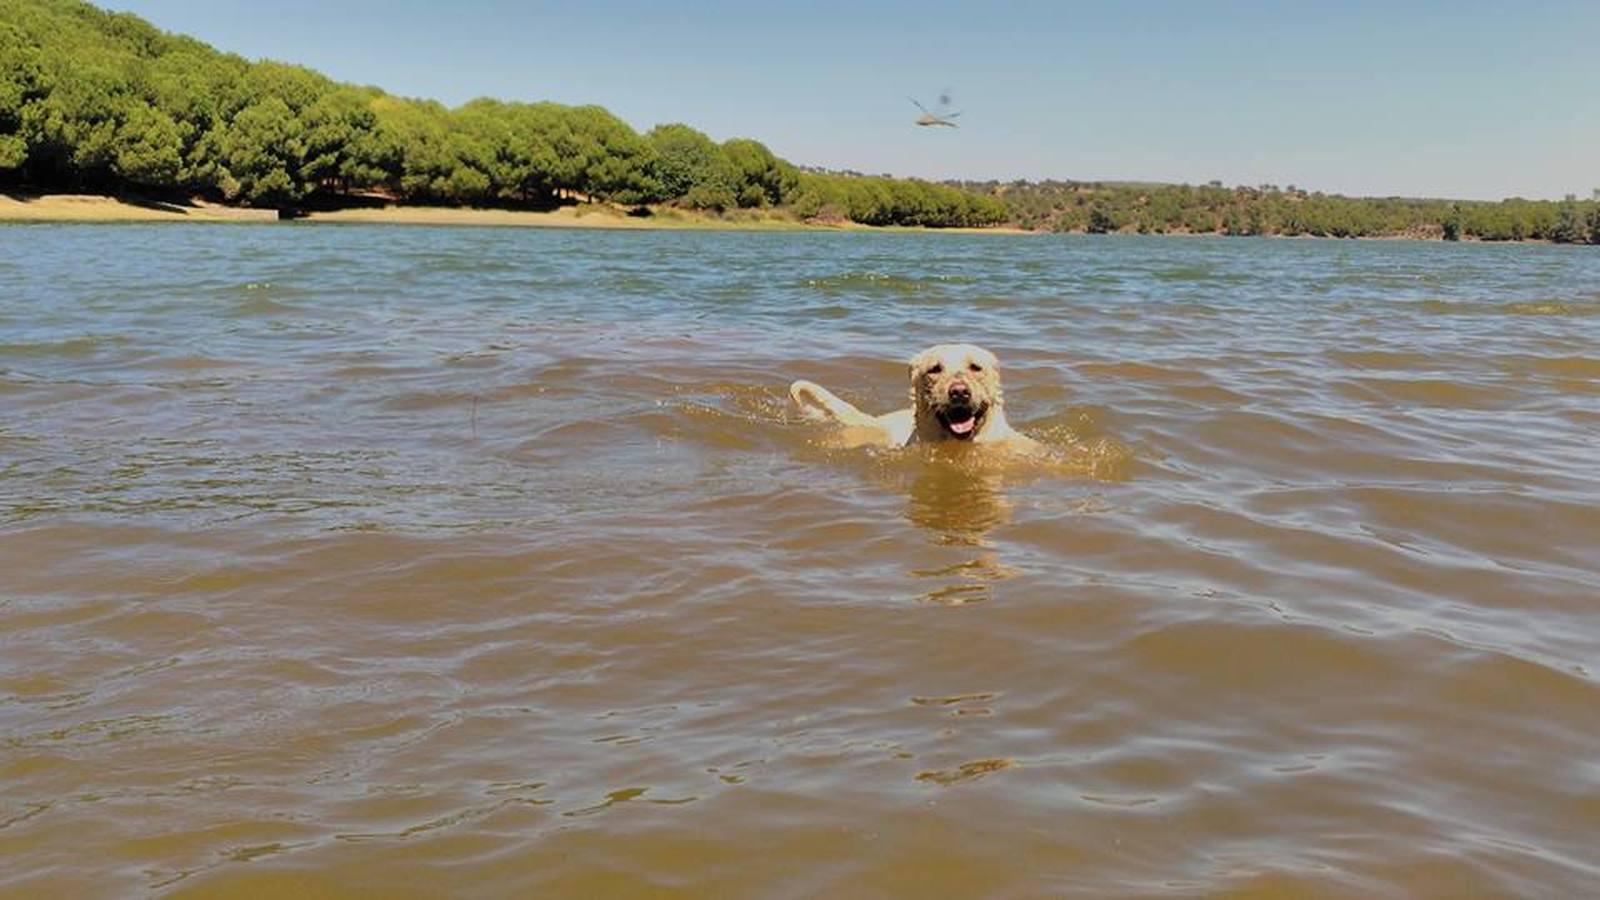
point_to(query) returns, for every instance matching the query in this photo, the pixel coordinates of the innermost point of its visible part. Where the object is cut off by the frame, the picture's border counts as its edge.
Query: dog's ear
(918, 365)
(913, 382)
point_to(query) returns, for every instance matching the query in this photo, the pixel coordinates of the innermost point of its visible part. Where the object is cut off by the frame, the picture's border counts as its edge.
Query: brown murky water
(348, 561)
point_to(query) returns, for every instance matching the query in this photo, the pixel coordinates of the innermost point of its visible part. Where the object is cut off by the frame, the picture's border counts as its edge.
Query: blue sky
(1465, 99)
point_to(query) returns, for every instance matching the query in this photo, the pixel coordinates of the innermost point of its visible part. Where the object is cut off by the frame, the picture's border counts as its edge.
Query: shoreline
(17, 208)
(88, 208)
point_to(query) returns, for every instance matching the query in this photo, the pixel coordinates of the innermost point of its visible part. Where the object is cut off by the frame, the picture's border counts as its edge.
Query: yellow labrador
(955, 396)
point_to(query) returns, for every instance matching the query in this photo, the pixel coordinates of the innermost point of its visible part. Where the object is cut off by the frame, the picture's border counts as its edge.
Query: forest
(95, 101)
(101, 102)
(1097, 208)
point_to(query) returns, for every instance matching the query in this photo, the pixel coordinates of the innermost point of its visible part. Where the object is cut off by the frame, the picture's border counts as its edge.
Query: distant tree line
(98, 101)
(1106, 207)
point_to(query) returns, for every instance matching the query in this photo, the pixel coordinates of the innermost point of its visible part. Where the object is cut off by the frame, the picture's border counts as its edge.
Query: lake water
(476, 562)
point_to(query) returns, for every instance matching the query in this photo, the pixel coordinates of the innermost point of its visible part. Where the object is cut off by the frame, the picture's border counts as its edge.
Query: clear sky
(1462, 99)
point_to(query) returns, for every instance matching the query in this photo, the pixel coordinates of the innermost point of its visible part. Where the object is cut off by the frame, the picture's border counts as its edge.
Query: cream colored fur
(953, 387)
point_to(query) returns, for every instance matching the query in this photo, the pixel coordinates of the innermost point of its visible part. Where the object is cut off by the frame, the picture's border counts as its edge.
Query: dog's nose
(960, 391)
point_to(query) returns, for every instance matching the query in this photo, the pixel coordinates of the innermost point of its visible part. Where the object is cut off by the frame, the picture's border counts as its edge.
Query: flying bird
(941, 117)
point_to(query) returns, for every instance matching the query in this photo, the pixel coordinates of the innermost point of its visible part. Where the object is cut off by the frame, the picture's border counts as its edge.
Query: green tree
(148, 148)
(425, 155)
(617, 162)
(332, 126)
(259, 154)
(760, 178)
(1569, 227)
(21, 84)
(523, 162)
(1452, 223)
(690, 168)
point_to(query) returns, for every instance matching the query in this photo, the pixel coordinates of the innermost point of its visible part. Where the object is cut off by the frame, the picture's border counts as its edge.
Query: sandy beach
(97, 208)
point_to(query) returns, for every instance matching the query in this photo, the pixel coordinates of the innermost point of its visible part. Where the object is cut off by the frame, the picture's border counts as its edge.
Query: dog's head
(955, 390)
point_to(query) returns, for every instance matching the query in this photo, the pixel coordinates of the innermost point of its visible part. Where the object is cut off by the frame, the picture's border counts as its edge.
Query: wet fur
(935, 374)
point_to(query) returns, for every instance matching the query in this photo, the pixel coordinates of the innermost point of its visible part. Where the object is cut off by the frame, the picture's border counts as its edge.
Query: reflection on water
(959, 501)
(414, 562)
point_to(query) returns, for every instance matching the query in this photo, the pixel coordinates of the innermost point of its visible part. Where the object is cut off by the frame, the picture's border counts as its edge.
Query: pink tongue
(963, 427)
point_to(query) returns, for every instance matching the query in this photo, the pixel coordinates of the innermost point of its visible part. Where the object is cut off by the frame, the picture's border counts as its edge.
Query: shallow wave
(1579, 308)
(869, 283)
(81, 346)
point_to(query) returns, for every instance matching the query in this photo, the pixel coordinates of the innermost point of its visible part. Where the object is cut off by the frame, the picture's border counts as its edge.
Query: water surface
(492, 562)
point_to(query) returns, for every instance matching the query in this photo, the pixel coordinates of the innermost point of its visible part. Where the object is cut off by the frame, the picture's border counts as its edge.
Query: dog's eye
(936, 368)
(975, 367)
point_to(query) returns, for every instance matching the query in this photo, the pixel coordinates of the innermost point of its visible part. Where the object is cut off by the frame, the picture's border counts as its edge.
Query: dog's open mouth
(962, 421)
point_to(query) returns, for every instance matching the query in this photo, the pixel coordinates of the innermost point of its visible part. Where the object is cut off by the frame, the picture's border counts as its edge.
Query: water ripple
(428, 559)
